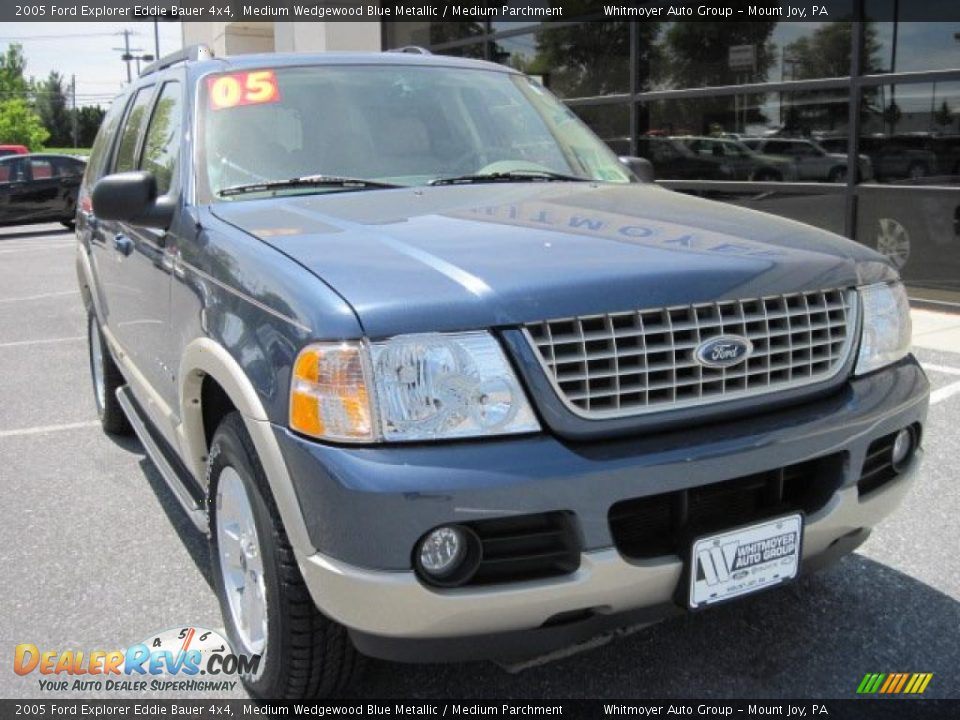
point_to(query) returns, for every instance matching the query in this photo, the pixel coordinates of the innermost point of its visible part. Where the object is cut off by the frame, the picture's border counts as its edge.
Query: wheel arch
(205, 361)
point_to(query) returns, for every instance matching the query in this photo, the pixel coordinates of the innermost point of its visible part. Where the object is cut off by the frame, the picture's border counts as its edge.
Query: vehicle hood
(462, 257)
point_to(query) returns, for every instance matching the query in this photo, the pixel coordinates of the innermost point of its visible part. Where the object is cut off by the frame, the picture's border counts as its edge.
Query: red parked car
(13, 150)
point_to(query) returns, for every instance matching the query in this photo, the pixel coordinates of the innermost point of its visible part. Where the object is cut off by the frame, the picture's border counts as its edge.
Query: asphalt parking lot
(95, 553)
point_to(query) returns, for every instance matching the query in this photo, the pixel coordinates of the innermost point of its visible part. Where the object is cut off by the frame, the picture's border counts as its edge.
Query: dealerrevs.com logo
(188, 659)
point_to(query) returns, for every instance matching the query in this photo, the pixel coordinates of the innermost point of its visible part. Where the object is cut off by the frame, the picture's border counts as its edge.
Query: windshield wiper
(510, 176)
(350, 183)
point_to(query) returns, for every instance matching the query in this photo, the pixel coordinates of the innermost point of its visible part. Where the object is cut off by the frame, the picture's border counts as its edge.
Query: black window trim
(173, 78)
(151, 90)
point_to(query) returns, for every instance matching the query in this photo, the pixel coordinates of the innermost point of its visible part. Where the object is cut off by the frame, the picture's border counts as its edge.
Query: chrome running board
(169, 474)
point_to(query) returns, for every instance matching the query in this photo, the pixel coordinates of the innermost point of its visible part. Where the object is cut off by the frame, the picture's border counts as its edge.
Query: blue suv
(441, 377)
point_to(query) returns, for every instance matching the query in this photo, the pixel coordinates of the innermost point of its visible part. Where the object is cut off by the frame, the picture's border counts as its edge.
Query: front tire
(106, 379)
(266, 607)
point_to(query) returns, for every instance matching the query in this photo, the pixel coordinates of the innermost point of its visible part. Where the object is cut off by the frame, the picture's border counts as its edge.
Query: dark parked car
(39, 188)
(441, 379)
(672, 160)
(892, 158)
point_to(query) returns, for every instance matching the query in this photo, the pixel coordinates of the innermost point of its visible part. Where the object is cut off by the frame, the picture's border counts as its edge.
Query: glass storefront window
(704, 54)
(911, 132)
(425, 34)
(918, 229)
(611, 122)
(572, 61)
(476, 51)
(754, 136)
(897, 44)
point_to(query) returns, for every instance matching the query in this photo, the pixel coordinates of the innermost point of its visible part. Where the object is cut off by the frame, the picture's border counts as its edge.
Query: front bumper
(366, 507)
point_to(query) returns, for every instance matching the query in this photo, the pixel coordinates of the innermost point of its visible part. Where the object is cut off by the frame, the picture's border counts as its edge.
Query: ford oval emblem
(723, 351)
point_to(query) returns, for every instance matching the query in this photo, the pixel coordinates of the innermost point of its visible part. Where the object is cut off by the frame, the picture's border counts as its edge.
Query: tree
(51, 105)
(13, 83)
(89, 118)
(20, 125)
(698, 55)
(826, 53)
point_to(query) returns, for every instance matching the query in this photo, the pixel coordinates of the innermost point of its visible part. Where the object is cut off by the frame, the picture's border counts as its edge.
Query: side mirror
(131, 197)
(641, 167)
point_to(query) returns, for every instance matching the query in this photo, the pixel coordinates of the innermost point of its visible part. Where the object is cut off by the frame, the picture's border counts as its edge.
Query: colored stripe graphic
(894, 683)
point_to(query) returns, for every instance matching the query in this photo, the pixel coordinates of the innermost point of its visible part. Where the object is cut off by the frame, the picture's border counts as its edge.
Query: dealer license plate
(738, 562)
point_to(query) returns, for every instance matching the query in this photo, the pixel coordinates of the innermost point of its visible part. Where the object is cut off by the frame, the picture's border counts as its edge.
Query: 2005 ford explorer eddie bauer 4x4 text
(441, 377)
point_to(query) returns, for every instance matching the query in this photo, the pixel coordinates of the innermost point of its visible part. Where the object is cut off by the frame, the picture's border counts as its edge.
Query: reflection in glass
(911, 132)
(400, 34)
(918, 229)
(573, 61)
(610, 122)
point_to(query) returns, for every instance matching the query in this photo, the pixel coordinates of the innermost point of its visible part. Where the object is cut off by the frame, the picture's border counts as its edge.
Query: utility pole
(73, 104)
(156, 39)
(127, 51)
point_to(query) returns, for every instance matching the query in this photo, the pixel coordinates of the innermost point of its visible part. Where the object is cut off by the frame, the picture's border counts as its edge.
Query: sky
(86, 50)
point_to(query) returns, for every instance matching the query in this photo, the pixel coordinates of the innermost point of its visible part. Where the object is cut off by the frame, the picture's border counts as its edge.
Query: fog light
(902, 448)
(442, 551)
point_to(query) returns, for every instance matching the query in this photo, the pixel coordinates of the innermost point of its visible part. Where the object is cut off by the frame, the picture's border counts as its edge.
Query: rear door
(43, 189)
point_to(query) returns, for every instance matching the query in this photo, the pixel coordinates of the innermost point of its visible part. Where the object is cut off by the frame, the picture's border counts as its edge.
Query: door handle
(122, 244)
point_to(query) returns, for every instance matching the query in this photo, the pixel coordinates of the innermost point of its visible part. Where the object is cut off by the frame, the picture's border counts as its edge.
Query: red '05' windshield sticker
(242, 88)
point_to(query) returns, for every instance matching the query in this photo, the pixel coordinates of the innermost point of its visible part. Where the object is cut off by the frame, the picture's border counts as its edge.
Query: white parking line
(27, 298)
(945, 392)
(941, 368)
(43, 429)
(56, 246)
(49, 341)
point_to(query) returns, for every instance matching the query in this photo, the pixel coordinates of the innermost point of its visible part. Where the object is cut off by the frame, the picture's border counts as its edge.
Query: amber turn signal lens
(328, 393)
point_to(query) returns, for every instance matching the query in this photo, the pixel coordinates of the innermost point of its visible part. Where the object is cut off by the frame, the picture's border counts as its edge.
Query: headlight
(411, 387)
(886, 326)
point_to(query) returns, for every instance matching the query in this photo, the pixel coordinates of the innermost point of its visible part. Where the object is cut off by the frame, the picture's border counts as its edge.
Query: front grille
(526, 547)
(664, 524)
(631, 363)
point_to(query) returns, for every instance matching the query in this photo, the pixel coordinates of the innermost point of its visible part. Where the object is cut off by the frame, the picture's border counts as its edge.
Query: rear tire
(69, 224)
(106, 378)
(304, 654)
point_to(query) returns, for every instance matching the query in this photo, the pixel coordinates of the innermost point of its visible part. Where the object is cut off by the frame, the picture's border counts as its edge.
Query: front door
(135, 263)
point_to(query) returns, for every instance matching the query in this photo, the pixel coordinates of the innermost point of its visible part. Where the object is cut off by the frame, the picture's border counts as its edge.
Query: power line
(18, 38)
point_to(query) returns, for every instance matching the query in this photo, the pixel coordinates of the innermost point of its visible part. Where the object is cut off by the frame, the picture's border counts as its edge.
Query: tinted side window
(68, 168)
(41, 168)
(162, 147)
(127, 149)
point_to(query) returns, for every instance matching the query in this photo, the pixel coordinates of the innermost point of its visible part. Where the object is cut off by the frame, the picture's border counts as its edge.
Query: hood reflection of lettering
(544, 215)
(723, 351)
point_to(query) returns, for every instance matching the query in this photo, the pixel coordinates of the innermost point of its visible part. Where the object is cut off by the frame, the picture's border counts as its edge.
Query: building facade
(852, 125)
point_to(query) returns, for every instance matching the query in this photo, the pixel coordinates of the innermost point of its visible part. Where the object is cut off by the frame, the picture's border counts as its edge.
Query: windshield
(392, 124)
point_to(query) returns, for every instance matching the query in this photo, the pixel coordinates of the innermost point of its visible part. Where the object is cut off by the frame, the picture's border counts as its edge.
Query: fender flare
(203, 357)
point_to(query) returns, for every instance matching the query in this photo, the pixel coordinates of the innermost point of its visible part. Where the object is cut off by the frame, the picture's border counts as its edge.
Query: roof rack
(191, 53)
(412, 50)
